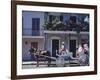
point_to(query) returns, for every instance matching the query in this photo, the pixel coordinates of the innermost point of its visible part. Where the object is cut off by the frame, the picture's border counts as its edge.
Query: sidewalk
(43, 64)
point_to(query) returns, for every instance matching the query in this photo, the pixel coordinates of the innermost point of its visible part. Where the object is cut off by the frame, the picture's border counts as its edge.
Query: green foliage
(69, 25)
(56, 24)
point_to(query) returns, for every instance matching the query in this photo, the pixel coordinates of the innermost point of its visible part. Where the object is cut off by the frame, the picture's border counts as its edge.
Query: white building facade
(34, 34)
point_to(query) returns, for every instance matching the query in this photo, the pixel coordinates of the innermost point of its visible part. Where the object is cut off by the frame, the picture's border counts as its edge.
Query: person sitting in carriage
(83, 55)
(63, 52)
(32, 51)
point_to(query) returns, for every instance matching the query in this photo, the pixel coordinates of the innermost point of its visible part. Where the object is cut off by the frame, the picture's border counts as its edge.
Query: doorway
(72, 47)
(55, 46)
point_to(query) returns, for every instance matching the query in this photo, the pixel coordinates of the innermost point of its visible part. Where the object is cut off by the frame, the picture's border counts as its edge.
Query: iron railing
(41, 32)
(31, 32)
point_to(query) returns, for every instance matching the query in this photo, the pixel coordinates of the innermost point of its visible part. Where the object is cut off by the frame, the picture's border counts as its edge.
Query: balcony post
(45, 41)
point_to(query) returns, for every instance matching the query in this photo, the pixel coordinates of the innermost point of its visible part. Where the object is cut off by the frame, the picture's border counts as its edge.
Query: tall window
(61, 17)
(50, 18)
(73, 19)
(53, 17)
(35, 26)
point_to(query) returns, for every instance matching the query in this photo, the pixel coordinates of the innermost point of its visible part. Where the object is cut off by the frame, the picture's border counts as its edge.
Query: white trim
(55, 37)
(21, 71)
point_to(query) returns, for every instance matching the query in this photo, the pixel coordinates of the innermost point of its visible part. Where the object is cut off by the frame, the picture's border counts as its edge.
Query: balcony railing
(31, 32)
(68, 26)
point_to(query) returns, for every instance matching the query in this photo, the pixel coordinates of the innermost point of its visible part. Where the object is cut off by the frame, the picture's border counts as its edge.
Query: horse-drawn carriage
(60, 60)
(62, 56)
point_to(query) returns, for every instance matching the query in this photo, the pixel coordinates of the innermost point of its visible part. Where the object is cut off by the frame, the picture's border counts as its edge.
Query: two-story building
(47, 31)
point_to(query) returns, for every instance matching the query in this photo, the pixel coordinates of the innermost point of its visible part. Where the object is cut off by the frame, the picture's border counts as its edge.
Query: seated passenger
(83, 59)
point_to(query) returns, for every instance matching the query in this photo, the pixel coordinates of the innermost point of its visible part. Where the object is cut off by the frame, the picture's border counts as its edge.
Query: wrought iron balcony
(41, 32)
(31, 32)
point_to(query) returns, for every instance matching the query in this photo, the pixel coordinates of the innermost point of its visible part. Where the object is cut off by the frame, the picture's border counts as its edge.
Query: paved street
(43, 64)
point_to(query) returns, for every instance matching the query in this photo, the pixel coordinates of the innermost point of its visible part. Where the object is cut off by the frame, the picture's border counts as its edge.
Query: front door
(34, 44)
(55, 46)
(73, 47)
